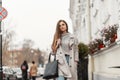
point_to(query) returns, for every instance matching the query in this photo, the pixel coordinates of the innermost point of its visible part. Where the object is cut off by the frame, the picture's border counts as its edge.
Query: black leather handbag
(51, 69)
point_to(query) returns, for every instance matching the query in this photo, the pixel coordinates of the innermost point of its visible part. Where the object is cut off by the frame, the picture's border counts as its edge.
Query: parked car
(41, 71)
(8, 74)
(18, 73)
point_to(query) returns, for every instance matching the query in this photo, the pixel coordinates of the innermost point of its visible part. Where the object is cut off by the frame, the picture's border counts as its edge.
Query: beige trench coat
(33, 70)
(69, 71)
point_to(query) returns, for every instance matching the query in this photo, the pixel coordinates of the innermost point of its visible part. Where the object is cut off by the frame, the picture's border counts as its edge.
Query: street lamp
(3, 14)
(1, 71)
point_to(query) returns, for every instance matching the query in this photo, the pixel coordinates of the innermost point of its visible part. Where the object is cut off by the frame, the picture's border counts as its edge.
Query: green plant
(83, 61)
(83, 50)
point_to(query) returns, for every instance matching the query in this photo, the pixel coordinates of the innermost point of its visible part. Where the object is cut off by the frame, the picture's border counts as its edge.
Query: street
(39, 78)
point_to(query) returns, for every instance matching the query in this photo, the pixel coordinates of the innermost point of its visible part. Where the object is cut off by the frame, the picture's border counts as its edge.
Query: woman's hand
(76, 62)
(54, 48)
(58, 43)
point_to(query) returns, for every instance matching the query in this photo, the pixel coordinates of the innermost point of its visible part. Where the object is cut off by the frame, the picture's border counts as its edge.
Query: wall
(104, 61)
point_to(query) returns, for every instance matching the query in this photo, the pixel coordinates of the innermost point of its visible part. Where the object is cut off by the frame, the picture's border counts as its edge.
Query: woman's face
(62, 27)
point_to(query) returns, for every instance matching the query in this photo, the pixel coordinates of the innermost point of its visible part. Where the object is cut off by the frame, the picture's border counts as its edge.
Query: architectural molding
(95, 13)
(106, 20)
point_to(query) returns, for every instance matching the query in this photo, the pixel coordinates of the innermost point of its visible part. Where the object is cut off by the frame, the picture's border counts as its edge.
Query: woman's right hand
(53, 50)
(58, 42)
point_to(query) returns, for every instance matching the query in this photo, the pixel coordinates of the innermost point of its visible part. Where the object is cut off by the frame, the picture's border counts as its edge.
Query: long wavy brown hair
(58, 33)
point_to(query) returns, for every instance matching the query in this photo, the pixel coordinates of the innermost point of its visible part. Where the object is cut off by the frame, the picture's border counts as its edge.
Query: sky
(36, 19)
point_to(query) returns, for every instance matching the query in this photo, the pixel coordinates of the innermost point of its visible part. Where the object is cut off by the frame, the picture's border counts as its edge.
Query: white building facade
(89, 17)
(79, 15)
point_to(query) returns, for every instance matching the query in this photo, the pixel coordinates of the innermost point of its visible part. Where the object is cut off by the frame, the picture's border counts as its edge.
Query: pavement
(40, 78)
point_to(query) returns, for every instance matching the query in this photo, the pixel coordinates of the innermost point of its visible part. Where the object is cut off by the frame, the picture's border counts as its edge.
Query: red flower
(115, 36)
(101, 45)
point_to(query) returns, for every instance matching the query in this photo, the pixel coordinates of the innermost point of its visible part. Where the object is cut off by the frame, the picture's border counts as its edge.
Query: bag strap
(50, 57)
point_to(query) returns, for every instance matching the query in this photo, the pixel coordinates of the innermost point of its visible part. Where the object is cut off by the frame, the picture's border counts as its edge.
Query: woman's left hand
(76, 62)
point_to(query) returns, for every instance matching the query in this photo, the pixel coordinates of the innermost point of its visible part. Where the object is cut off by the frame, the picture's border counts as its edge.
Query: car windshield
(17, 70)
(8, 71)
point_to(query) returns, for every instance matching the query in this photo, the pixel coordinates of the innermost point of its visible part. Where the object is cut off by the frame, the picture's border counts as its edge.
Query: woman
(33, 70)
(65, 46)
(24, 68)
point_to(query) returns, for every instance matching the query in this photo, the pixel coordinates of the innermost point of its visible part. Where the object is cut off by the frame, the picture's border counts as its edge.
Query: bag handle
(50, 57)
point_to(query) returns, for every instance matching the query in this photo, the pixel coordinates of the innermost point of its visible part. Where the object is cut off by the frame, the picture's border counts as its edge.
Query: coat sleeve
(73, 45)
(75, 48)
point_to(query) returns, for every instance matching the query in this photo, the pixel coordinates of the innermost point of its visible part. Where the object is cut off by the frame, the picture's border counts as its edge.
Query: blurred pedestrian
(65, 46)
(33, 71)
(24, 68)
